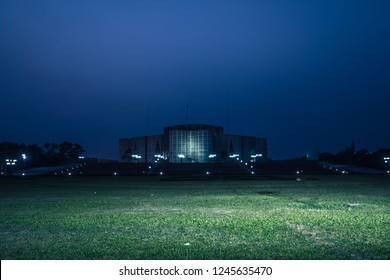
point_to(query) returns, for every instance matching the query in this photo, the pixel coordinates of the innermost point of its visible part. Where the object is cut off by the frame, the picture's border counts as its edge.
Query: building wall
(141, 149)
(245, 148)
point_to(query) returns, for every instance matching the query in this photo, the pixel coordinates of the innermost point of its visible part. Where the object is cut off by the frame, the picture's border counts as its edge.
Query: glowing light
(11, 161)
(115, 173)
(161, 173)
(208, 173)
(253, 172)
(70, 174)
(212, 156)
(181, 156)
(256, 155)
(24, 156)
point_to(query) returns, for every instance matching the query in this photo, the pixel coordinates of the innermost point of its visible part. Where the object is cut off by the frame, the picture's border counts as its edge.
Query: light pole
(181, 156)
(24, 157)
(10, 163)
(387, 163)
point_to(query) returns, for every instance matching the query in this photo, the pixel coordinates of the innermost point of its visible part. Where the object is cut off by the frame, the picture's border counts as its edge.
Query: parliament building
(192, 143)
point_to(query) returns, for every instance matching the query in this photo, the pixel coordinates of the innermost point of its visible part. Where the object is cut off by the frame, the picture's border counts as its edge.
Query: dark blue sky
(308, 75)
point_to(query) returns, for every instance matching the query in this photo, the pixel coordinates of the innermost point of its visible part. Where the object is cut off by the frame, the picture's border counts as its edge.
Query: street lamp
(11, 161)
(255, 156)
(24, 157)
(387, 163)
(181, 156)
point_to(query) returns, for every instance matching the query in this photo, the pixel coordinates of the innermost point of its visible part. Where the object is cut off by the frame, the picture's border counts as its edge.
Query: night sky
(308, 75)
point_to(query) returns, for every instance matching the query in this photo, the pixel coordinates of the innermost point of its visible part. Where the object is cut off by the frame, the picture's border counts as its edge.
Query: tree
(49, 154)
(76, 151)
(326, 157)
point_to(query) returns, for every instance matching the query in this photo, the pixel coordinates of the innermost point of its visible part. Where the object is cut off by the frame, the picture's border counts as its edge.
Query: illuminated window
(190, 145)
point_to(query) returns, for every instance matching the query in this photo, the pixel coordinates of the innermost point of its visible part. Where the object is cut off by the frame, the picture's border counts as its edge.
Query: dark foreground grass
(144, 218)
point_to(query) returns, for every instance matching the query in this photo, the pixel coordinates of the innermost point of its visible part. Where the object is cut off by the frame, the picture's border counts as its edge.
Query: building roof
(193, 127)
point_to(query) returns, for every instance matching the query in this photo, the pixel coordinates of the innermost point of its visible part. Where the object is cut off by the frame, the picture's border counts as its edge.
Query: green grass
(144, 218)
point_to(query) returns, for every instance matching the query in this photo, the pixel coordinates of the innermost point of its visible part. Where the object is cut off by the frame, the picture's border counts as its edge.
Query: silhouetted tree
(49, 154)
(326, 157)
(360, 158)
(76, 151)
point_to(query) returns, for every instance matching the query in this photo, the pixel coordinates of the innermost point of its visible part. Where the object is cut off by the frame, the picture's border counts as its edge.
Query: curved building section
(193, 143)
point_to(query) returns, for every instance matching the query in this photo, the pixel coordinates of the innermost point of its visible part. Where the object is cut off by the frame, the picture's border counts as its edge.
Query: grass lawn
(334, 217)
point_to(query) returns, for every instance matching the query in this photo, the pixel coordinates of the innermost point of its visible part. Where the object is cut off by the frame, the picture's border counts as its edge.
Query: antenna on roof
(227, 111)
(188, 108)
(148, 123)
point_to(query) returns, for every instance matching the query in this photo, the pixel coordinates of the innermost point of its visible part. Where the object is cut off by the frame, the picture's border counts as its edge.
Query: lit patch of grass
(132, 218)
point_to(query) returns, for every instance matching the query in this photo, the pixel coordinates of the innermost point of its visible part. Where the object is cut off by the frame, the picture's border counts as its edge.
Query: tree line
(50, 154)
(361, 157)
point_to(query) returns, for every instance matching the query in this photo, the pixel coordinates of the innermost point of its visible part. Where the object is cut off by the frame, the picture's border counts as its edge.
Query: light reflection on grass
(133, 218)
